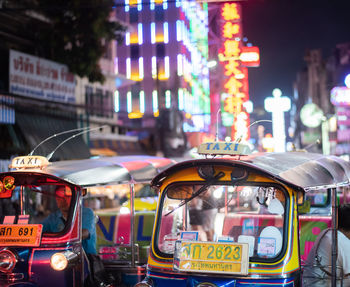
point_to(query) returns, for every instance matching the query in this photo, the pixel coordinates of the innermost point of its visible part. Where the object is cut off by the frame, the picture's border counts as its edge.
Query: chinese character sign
(236, 76)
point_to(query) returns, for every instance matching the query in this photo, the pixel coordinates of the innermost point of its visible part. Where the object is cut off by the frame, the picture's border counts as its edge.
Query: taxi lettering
(227, 146)
(224, 148)
(27, 162)
(30, 160)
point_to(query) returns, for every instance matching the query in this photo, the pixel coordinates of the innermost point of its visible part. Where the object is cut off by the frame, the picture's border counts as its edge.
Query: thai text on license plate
(20, 234)
(216, 257)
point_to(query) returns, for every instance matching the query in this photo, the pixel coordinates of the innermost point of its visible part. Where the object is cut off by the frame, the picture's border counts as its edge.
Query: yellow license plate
(216, 257)
(20, 234)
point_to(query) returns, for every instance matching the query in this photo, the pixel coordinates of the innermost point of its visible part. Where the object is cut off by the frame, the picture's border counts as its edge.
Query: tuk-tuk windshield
(252, 214)
(113, 197)
(34, 200)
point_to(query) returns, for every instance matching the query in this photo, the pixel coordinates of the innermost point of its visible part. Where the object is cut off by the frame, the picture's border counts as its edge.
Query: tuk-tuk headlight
(60, 260)
(8, 260)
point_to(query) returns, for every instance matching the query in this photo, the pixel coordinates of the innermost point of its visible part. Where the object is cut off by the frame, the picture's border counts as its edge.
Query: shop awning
(116, 146)
(36, 128)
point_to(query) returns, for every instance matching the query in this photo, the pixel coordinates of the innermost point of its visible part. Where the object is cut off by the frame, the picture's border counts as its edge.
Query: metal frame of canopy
(304, 171)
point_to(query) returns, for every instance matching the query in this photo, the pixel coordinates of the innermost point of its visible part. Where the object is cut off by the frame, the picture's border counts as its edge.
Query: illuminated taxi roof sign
(29, 162)
(224, 148)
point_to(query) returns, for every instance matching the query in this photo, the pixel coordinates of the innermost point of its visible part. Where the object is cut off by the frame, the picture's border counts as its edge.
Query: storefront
(115, 145)
(40, 103)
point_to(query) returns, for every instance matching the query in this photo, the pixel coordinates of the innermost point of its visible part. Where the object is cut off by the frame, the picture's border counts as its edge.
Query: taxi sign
(29, 162)
(211, 257)
(224, 148)
(20, 234)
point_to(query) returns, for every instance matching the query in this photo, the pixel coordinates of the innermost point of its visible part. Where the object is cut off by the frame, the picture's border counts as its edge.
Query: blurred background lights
(212, 64)
(219, 192)
(276, 93)
(248, 105)
(347, 81)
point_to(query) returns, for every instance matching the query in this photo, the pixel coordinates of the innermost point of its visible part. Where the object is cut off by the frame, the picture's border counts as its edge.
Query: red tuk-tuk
(32, 256)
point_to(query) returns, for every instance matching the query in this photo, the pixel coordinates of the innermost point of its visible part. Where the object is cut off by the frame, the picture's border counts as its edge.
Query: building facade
(40, 98)
(165, 52)
(321, 82)
(339, 67)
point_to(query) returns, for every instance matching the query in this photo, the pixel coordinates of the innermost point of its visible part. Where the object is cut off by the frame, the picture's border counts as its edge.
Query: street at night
(194, 143)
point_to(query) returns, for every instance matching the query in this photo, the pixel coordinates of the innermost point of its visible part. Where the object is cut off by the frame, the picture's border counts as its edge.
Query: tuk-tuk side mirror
(84, 191)
(300, 198)
(7, 185)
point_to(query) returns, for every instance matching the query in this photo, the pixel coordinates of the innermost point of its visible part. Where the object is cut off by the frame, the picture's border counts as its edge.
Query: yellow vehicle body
(185, 252)
(287, 264)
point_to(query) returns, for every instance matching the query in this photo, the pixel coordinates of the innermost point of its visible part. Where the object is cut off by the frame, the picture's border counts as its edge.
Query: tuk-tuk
(118, 190)
(232, 219)
(30, 255)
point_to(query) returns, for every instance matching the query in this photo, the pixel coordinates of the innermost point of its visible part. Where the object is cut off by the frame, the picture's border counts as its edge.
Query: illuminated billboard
(236, 80)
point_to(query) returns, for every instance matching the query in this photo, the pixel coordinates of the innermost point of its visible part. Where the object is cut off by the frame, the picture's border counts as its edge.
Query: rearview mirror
(180, 192)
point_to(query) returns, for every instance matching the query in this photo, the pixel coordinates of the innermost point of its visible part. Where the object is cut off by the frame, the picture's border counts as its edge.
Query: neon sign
(236, 82)
(340, 96)
(250, 56)
(277, 105)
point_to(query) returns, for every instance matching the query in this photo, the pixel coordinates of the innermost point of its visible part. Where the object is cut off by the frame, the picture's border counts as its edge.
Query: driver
(56, 221)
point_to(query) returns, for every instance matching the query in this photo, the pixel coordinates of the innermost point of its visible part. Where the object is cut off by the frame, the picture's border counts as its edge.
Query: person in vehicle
(56, 221)
(196, 216)
(318, 265)
(209, 212)
(202, 213)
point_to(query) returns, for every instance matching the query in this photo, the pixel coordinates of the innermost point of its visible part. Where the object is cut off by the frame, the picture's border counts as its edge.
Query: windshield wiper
(199, 191)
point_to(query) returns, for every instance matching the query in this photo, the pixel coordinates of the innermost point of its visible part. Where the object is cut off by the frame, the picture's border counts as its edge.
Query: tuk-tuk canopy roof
(301, 170)
(108, 170)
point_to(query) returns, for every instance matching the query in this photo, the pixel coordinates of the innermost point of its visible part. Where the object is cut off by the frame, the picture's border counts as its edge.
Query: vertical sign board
(236, 82)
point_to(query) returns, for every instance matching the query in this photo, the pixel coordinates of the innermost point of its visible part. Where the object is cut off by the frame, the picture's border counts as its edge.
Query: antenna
(259, 121)
(55, 135)
(72, 137)
(256, 122)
